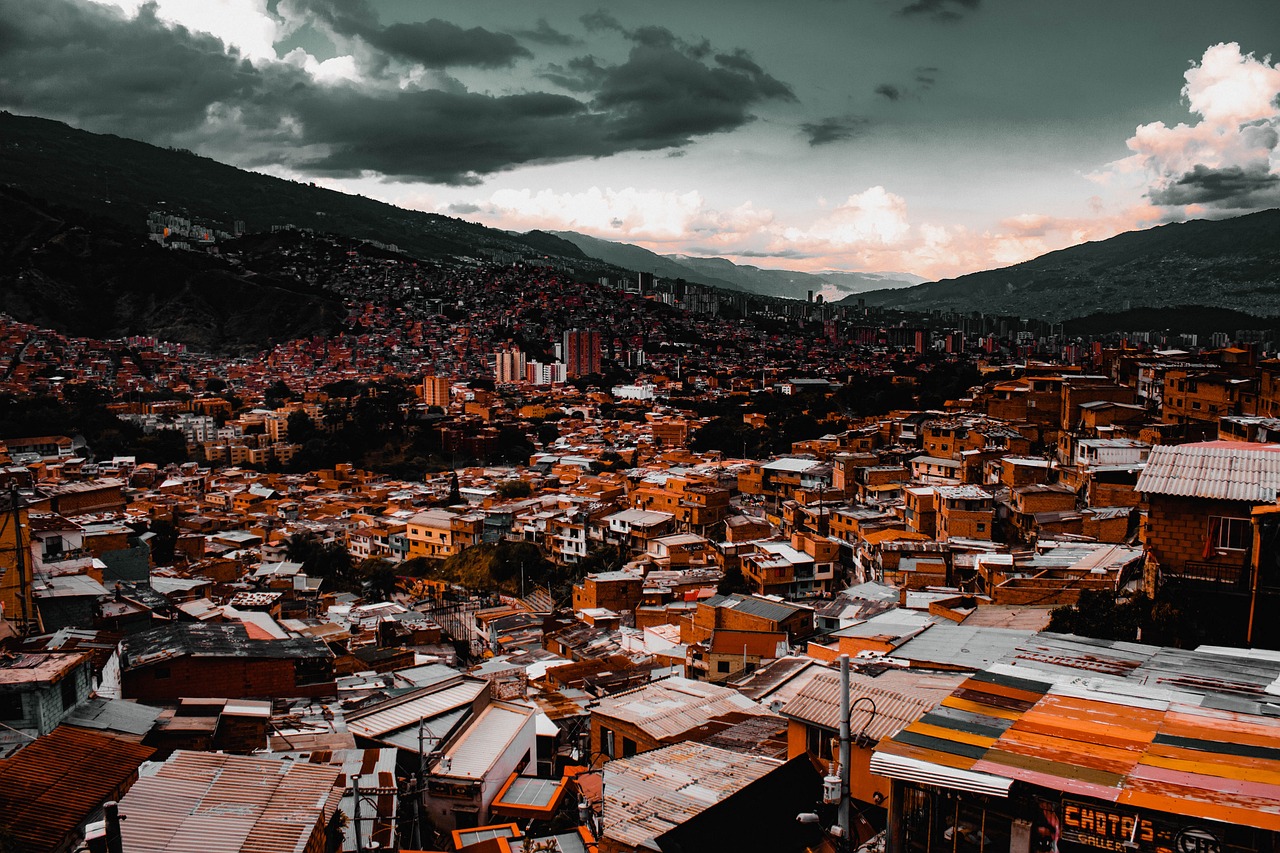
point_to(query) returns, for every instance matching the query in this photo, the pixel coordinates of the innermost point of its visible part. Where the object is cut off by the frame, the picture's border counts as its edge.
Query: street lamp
(840, 786)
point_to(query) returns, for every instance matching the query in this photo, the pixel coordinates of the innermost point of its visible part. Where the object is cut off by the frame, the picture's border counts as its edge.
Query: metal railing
(1235, 574)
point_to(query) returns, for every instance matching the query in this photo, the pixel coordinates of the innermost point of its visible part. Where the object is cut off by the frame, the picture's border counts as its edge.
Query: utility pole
(844, 750)
(355, 797)
(15, 505)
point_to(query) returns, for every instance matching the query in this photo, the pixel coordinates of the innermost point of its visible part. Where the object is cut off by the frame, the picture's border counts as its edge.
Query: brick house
(1200, 528)
(219, 660)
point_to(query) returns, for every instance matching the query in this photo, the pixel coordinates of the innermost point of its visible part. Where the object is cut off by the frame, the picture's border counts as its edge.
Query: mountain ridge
(722, 272)
(1227, 263)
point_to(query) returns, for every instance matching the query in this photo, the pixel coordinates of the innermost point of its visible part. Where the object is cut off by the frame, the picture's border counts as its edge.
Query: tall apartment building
(537, 373)
(509, 366)
(435, 391)
(582, 352)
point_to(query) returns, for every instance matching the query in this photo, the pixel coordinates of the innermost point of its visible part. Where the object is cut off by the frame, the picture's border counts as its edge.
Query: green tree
(514, 489)
(275, 395)
(300, 426)
(379, 578)
(326, 560)
(733, 581)
(605, 558)
(163, 542)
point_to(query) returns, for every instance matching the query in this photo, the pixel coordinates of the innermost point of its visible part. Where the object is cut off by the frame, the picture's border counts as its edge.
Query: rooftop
(59, 780)
(198, 802)
(673, 706)
(1214, 470)
(1184, 732)
(650, 793)
(900, 697)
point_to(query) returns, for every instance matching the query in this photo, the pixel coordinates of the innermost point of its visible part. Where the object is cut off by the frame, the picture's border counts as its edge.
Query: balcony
(1231, 574)
(64, 555)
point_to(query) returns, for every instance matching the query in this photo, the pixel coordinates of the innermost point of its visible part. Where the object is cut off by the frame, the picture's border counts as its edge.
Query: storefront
(932, 819)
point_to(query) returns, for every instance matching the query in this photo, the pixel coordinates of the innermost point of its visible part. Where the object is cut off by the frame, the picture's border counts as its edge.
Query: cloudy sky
(927, 136)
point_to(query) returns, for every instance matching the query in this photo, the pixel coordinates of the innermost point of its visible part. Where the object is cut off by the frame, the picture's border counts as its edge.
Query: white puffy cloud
(646, 216)
(1227, 159)
(243, 24)
(874, 216)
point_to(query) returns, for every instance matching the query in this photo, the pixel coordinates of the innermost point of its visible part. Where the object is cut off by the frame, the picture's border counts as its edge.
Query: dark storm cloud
(834, 129)
(926, 76)
(443, 136)
(662, 95)
(890, 91)
(580, 74)
(667, 91)
(79, 61)
(940, 10)
(139, 77)
(434, 43)
(1234, 187)
(546, 34)
(600, 21)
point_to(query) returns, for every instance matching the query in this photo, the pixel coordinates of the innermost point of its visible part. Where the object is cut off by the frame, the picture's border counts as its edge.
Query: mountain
(1226, 263)
(719, 272)
(631, 257)
(90, 277)
(832, 284)
(124, 180)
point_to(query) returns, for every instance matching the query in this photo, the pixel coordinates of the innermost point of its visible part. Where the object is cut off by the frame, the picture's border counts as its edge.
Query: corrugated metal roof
(819, 702)
(961, 646)
(650, 793)
(115, 715)
(384, 719)
(756, 606)
(1181, 732)
(673, 706)
(57, 781)
(377, 770)
(210, 803)
(486, 739)
(1215, 470)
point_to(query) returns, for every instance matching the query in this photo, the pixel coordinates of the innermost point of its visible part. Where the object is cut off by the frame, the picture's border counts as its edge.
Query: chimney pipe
(114, 839)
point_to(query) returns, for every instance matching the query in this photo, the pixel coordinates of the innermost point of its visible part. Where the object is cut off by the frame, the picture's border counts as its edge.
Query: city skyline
(933, 137)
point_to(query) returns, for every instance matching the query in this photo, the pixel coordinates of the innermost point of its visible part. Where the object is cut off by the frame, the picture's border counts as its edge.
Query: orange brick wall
(965, 524)
(1178, 527)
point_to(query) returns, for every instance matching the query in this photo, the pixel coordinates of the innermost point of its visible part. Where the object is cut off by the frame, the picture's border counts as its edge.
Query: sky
(935, 137)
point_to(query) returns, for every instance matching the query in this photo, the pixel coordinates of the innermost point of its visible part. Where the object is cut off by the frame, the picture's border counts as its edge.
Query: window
(11, 706)
(818, 741)
(1233, 534)
(982, 526)
(68, 687)
(722, 666)
(628, 747)
(162, 672)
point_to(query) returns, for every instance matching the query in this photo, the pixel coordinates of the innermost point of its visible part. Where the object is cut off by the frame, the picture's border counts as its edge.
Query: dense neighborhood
(520, 562)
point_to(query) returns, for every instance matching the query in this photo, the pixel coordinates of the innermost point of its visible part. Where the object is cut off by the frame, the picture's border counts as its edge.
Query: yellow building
(437, 533)
(15, 562)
